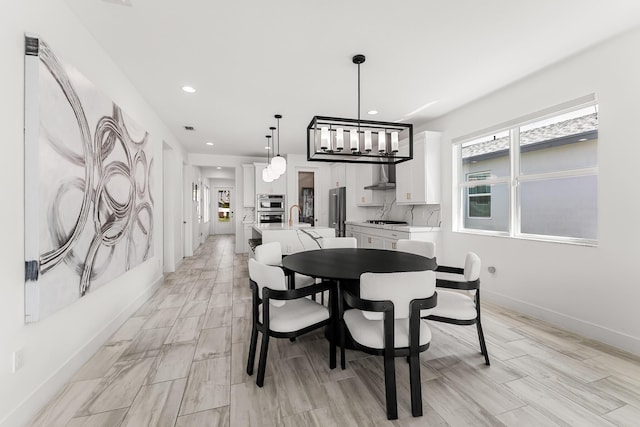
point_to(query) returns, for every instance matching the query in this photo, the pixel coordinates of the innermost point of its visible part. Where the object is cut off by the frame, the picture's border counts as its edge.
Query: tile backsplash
(416, 215)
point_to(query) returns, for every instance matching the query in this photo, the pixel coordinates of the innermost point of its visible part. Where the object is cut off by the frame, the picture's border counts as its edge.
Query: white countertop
(395, 227)
(281, 226)
(294, 238)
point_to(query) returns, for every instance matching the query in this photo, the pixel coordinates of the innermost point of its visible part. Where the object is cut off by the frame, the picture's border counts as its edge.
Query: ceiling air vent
(189, 128)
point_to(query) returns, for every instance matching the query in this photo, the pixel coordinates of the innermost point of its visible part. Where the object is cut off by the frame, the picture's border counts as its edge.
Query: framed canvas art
(88, 185)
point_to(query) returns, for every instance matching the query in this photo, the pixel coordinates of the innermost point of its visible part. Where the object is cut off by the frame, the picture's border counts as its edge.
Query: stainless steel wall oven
(270, 208)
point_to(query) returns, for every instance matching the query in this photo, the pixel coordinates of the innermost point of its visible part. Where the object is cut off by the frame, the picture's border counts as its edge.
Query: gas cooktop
(385, 221)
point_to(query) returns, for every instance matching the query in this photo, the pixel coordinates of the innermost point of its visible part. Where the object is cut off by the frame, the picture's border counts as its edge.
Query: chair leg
(262, 364)
(343, 363)
(341, 325)
(416, 390)
(332, 344)
(390, 387)
(483, 345)
(252, 349)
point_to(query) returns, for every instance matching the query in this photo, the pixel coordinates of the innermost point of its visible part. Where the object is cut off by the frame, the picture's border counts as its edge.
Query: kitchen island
(293, 238)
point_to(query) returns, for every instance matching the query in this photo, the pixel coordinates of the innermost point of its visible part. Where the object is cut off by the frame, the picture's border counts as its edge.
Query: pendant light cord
(268, 147)
(358, 98)
(278, 120)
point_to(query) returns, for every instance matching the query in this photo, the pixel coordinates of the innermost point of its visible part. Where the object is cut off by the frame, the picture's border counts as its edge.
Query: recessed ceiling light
(209, 143)
(267, 147)
(188, 89)
(372, 112)
(218, 167)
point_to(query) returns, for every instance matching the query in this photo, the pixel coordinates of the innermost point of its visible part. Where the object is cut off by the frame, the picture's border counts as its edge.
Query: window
(224, 205)
(207, 203)
(479, 197)
(536, 178)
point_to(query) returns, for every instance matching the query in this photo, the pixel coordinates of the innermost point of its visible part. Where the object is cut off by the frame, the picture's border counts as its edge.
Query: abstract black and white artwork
(88, 185)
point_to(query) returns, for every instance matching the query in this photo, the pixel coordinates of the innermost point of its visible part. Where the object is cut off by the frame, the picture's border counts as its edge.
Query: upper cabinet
(249, 186)
(278, 186)
(367, 174)
(338, 175)
(418, 180)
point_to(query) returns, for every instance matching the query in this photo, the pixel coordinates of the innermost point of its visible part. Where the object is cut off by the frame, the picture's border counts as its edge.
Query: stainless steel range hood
(387, 178)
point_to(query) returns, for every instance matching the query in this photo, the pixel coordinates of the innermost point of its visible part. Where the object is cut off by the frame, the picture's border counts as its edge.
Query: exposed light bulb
(354, 142)
(382, 141)
(324, 138)
(394, 142)
(339, 139)
(367, 140)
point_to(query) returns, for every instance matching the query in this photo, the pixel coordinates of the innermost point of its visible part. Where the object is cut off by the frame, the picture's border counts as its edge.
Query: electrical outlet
(18, 359)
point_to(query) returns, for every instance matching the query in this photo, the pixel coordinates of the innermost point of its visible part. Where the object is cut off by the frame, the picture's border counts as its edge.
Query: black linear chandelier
(367, 141)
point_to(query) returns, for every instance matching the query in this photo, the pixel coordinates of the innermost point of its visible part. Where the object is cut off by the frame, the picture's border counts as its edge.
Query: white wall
(172, 209)
(56, 347)
(591, 290)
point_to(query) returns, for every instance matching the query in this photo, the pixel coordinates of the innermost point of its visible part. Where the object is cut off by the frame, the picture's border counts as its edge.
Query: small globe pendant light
(274, 173)
(266, 173)
(278, 163)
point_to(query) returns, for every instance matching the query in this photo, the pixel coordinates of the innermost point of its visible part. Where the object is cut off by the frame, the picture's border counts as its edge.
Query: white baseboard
(585, 328)
(42, 395)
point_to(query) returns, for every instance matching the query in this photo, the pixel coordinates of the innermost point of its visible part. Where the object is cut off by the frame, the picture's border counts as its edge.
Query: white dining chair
(385, 320)
(280, 312)
(459, 297)
(271, 254)
(338, 242)
(418, 247)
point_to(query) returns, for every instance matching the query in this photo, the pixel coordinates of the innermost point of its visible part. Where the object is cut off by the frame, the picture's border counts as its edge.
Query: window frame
(515, 176)
(486, 173)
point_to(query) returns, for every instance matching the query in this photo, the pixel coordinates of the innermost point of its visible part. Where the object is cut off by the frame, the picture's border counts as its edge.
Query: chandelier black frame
(334, 139)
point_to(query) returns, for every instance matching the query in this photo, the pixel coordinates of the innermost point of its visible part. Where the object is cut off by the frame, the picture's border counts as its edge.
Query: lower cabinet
(379, 238)
(372, 242)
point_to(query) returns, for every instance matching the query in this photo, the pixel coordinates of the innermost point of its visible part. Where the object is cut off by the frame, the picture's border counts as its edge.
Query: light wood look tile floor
(180, 361)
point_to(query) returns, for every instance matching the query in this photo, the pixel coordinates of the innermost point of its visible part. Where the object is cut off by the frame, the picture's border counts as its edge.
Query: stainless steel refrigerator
(338, 209)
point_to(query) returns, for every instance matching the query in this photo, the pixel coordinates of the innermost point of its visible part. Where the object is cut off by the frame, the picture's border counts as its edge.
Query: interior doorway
(223, 210)
(306, 196)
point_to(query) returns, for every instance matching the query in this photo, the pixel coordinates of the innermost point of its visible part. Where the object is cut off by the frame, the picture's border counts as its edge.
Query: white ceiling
(252, 59)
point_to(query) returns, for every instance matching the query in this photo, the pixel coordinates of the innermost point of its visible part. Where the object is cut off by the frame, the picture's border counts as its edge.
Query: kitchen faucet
(290, 214)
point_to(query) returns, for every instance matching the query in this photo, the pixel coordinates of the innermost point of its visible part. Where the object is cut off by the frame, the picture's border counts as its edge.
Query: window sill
(545, 239)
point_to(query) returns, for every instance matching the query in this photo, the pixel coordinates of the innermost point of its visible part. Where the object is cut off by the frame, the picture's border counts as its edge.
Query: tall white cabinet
(249, 186)
(418, 180)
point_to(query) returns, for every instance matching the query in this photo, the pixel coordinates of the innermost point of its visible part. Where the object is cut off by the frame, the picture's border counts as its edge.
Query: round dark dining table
(347, 264)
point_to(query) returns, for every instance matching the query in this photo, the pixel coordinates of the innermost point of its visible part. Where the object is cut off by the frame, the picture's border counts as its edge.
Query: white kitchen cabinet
(368, 174)
(249, 186)
(278, 186)
(353, 231)
(371, 242)
(418, 180)
(381, 237)
(338, 175)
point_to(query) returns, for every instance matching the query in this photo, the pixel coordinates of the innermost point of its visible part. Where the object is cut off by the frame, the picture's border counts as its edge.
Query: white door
(222, 210)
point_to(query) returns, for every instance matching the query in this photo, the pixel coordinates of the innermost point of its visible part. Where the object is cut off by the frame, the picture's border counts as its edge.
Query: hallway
(180, 361)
